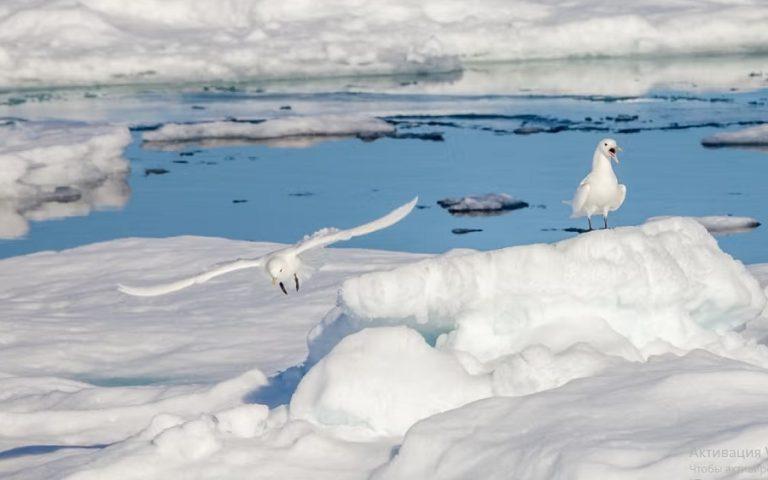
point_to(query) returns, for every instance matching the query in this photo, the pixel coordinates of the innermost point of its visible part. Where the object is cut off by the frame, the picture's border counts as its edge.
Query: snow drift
(283, 127)
(59, 169)
(748, 137)
(111, 41)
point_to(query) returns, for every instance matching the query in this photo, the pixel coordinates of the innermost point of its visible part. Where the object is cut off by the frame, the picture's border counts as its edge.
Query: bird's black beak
(282, 287)
(296, 279)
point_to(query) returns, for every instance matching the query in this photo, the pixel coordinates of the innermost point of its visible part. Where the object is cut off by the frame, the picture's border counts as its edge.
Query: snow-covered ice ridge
(111, 41)
(534, 352)
(275, 128)
(59, 169)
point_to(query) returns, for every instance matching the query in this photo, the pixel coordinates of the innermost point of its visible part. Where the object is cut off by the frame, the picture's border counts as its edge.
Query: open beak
(613, 151)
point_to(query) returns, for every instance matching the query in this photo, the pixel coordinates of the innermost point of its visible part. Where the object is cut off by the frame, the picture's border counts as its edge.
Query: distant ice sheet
(111, 41)
(59, 169)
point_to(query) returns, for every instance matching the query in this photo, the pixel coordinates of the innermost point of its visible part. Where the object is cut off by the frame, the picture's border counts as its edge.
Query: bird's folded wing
(217, 270)
(581, 197)
(326, 237)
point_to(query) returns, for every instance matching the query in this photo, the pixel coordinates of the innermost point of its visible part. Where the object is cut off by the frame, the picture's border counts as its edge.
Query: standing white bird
(281, 265)
(600, 192)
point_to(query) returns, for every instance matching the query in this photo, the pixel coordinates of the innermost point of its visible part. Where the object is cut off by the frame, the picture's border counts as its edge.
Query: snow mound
(59, 169)
(753, 136)
(478, 204)
(720, 224)
(630, 292)
(384, 379)
(283, 127)
(522, 320)
(111, 41)
(669, 418)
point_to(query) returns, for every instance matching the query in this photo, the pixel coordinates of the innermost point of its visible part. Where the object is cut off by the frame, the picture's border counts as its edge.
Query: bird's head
(609, 148)
(276, 268)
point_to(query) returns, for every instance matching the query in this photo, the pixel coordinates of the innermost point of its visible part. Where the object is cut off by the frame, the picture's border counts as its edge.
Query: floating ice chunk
(384, 379)
(633, 421)
(720, 224)
(630, 292)
(753, 136)
(481, 204)
(59, 169)
(283, 127)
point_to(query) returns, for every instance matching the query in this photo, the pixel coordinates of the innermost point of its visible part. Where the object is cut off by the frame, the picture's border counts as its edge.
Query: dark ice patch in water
(482, 205)
(464, 231)
(239, 200)
(189, 153)
(155, 171)
(301, 194)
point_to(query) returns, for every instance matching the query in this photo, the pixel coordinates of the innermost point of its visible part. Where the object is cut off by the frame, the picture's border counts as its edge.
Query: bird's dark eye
(606, 144)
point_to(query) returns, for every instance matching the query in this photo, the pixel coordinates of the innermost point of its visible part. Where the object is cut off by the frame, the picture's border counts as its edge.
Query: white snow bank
(720, 224)
(490, 202)
(111, 41)
(632, 292)
(699, 416)
(384, 379)
(58, 169)
(753, 136)
(292, 126)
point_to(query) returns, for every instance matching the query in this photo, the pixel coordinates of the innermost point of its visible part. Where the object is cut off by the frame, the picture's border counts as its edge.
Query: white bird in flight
(600, 192)
(282, 265)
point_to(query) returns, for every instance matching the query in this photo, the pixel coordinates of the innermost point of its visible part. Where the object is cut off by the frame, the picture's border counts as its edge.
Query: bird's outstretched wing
(328, 236)
(214, 272)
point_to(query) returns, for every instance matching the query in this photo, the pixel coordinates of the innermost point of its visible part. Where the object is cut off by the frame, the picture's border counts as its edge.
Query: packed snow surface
(453, 366)
(282, 127)
(753, 136)
(111, 41)
(668, 418)
(490, 202)
(721, 224)
(59, 169)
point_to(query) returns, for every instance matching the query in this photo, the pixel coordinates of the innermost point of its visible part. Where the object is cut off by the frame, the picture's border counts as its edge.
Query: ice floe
(478, 205)
(295, 129)
(753, 136)
(534, 352)
(59, 169)
(721, 224)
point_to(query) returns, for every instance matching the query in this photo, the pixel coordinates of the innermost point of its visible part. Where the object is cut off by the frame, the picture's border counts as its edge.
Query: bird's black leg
(296, 279)
(282, 287)
(605, 221)
(589, 221)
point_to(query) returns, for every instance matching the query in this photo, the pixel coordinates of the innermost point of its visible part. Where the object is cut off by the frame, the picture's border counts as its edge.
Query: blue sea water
(277, 192)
